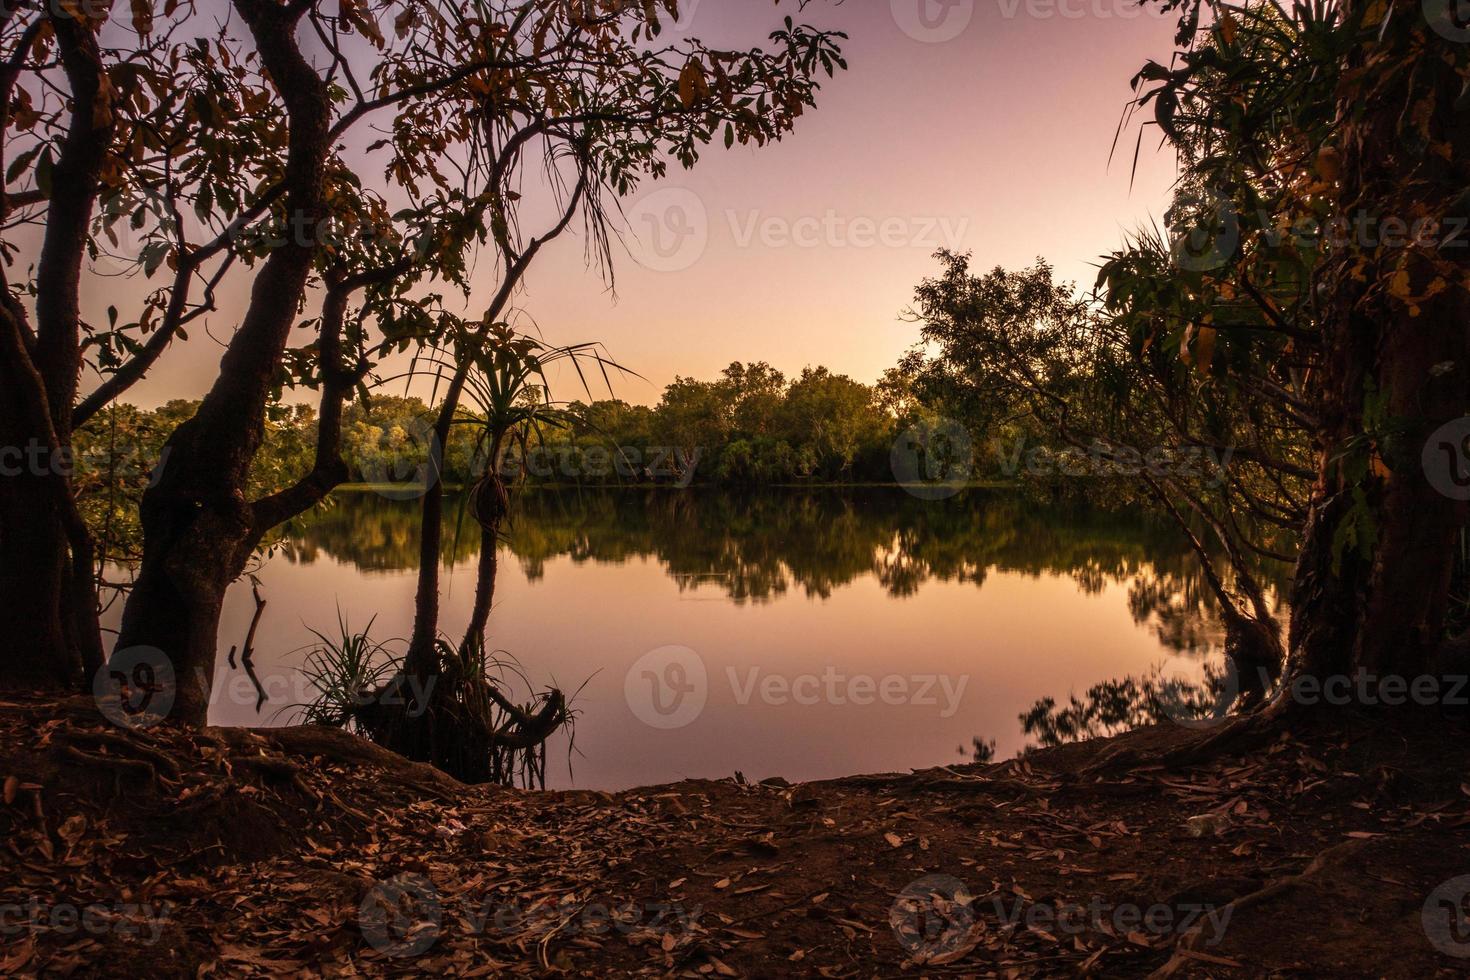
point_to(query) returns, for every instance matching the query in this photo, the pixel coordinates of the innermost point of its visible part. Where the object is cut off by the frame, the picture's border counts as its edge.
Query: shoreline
(270, 851)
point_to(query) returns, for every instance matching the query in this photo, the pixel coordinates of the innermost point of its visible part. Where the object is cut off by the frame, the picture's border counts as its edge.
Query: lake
(801, 633)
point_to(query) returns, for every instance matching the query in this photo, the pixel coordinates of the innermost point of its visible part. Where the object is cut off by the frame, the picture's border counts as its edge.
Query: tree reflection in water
(759, 546)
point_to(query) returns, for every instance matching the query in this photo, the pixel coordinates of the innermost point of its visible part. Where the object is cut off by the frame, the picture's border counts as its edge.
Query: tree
(46, 552)
(1271, 326)
(1374, 575)
(754, 393)
(692, 419)
(1384, 331)
(237, 126)
(834, 415)
(442, 705)
(1091, 377)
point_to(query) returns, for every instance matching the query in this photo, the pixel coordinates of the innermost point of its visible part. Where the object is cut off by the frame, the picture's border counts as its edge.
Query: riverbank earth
(1332, 851)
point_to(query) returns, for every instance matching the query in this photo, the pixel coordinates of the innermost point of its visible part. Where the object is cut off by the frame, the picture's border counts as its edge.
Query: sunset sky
(983, 125)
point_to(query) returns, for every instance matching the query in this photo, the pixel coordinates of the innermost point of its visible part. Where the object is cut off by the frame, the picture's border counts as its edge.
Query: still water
(806, 634)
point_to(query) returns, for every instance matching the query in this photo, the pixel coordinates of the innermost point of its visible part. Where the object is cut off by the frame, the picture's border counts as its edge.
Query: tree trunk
(422, 657)
(49, 614)
(492, 501)
(1372, 580)
(484, 586)
(198, 528)
(36, 653)
(443, 719)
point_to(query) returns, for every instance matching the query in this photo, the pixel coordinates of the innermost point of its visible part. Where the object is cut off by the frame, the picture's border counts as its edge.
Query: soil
(1328, 851)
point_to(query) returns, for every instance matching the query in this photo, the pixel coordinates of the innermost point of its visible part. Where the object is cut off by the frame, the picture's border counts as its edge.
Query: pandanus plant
(457, 717)
(508, 395)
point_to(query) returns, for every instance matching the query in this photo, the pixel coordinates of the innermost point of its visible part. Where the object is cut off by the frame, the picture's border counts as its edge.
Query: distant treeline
(751, 426)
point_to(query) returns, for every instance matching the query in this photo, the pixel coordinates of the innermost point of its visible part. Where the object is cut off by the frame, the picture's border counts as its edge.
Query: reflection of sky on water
(997, 601)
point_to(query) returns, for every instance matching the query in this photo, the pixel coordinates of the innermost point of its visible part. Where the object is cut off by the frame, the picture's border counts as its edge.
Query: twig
(247, 653)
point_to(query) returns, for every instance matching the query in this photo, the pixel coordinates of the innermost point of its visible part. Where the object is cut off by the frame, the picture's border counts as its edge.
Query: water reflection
(993, 597)
(756, 548)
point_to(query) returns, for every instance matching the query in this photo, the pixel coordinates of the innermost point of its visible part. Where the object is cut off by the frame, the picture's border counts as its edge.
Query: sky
(979, 125)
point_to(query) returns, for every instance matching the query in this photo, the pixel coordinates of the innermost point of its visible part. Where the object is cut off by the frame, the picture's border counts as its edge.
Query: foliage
(117, 455)
(345, 670)
(354, 677)
(188, 151)
(749, 427)
(1203, 340)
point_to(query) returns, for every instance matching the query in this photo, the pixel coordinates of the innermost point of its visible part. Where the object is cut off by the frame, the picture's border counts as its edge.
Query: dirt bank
(231, 853)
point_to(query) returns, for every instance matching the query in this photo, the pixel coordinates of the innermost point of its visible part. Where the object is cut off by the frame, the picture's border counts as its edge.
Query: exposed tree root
(340, 746)
(112, 763)
(1240, 733)
(134, 745)
(465, 726)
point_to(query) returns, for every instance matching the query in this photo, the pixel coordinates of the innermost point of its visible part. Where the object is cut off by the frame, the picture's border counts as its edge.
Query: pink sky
(988, 130)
